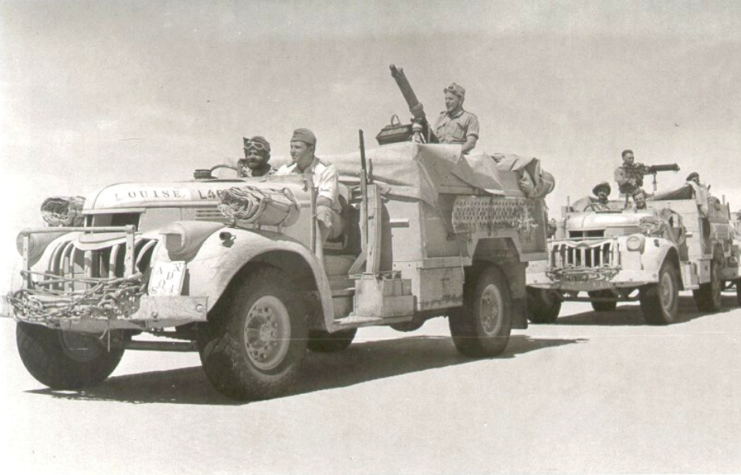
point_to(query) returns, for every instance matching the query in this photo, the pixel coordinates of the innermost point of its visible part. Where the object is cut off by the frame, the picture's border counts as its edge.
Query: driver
(256, 157)
(602, 192)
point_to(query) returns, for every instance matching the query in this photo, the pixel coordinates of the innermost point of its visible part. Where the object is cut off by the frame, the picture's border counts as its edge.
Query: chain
(105, 298)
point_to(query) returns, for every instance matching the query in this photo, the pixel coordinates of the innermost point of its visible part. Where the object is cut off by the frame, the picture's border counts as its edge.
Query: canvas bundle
(252, 205)
(63, 210)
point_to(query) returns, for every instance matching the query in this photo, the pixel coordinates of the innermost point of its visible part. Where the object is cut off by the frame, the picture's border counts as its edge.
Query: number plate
(167, 278)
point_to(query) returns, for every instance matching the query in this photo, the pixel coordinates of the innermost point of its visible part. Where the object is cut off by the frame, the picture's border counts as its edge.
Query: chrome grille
(592, 255)
(70, 263)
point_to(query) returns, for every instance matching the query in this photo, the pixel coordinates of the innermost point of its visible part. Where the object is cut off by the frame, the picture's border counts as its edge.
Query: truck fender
(220, 258)
(656, 251)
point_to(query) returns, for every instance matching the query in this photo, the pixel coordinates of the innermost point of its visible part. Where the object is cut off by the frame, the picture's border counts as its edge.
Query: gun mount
(654, 169)
(420, 129)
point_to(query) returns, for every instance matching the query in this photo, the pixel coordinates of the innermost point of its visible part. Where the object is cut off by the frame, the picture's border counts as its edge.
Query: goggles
(260, 147)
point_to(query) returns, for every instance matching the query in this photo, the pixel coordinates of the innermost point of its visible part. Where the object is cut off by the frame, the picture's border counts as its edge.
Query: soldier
(694, 177)
(455, 125)
(602, 192)
(256, 157)
(639, 198)
(629, 176)
(324, 176)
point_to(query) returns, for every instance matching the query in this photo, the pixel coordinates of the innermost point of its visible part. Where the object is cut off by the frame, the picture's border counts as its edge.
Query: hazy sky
(98, 92)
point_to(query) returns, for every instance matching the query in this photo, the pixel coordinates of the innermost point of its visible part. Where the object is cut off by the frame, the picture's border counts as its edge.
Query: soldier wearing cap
(256, 157)
(455, 125)
(602, 192)
(324, 177)
(694, 177)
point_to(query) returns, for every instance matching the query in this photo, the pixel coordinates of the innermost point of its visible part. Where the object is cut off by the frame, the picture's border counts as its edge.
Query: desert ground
(593, 393)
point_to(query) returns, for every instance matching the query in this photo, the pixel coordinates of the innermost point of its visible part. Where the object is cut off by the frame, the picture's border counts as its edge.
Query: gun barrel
(669, 167)
(415, 107)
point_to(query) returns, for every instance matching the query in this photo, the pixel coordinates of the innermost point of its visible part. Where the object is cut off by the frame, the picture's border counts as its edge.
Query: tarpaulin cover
(419, 171)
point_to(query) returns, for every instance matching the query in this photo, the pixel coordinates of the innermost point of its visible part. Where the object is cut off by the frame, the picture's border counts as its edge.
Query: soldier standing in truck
(324, 176)
(256, 158)
(629, 176)
(455, 125)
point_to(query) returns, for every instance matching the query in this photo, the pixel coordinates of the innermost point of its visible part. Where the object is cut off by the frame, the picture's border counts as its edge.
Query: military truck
(428, 232)
(684, 240)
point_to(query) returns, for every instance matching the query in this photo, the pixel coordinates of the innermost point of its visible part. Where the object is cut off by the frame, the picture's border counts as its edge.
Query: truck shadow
(362, 362)
(630, 314)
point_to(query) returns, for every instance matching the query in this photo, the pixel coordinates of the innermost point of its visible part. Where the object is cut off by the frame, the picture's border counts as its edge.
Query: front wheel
(481, 327)
(254, 345)
(708, 296)
(543, 306)
(660, 301)
(64, 360)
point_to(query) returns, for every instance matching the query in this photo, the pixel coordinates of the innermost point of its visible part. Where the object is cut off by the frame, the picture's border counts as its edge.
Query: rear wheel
(481, 327)
(738, 292)
(660, 301)
(253, 347)
(603, 306)
(64, 360)
(543, 305)
(708, 296)
(321, 341)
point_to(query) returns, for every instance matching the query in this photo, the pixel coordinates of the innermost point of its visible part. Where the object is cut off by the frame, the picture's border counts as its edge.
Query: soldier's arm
(327, 192)
(472, 134)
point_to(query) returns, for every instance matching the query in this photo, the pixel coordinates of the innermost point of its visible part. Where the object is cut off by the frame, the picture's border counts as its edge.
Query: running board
(355, 321)
(182, 346)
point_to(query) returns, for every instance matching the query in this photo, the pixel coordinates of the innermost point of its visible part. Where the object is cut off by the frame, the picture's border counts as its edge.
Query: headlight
(175, 237)
(636, 242)
(37, 244)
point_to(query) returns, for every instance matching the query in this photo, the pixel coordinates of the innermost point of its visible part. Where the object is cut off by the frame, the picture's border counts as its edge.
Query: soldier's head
(256, 153)
(639, 198)
(628, 158)
(303, 143)
(454, 97)
(602, 191)
(694, 177)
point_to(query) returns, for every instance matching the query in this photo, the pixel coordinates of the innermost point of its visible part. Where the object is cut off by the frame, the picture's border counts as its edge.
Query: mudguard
(217, 261)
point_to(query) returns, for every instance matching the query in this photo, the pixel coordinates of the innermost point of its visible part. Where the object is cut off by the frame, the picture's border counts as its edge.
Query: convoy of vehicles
(684, 240)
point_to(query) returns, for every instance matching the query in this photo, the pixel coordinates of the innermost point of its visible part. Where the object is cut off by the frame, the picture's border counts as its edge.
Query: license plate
(167, 278)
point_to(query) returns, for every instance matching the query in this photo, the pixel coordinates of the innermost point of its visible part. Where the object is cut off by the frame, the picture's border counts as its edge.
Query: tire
(603, 306)
(660, 301)
(543, 306)
(481, 327)
(708, 296)
(64, 360)
(738, 292)
(253, 346)
(321, 341)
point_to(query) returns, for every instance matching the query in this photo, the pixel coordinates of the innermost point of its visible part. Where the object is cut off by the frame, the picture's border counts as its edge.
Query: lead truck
(235, 268)
(684, 240)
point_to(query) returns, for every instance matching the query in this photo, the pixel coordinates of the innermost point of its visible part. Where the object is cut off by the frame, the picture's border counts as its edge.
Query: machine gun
(654, 169)
(420, 130)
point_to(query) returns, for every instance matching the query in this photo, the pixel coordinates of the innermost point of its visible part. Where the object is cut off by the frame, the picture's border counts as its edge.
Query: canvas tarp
(419, 171)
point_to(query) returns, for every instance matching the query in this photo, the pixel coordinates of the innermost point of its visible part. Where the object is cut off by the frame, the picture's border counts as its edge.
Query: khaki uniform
(456, 128)
(325, 179)
(629, 179)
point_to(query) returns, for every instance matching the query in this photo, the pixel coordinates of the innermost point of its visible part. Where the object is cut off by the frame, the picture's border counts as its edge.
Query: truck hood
(180, 194)
(588, 221)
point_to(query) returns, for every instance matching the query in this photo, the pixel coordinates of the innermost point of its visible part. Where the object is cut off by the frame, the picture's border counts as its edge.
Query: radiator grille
(593, 255)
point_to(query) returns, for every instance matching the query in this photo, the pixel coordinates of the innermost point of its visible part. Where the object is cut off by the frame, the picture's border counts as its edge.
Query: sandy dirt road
(594, 393)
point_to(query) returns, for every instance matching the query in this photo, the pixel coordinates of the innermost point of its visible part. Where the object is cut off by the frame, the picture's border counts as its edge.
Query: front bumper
(153, 313)
(587, 279)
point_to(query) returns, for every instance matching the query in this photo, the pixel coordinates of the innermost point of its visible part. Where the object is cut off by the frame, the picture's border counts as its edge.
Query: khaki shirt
(456, 128)
(623, 177)
(324, 177)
